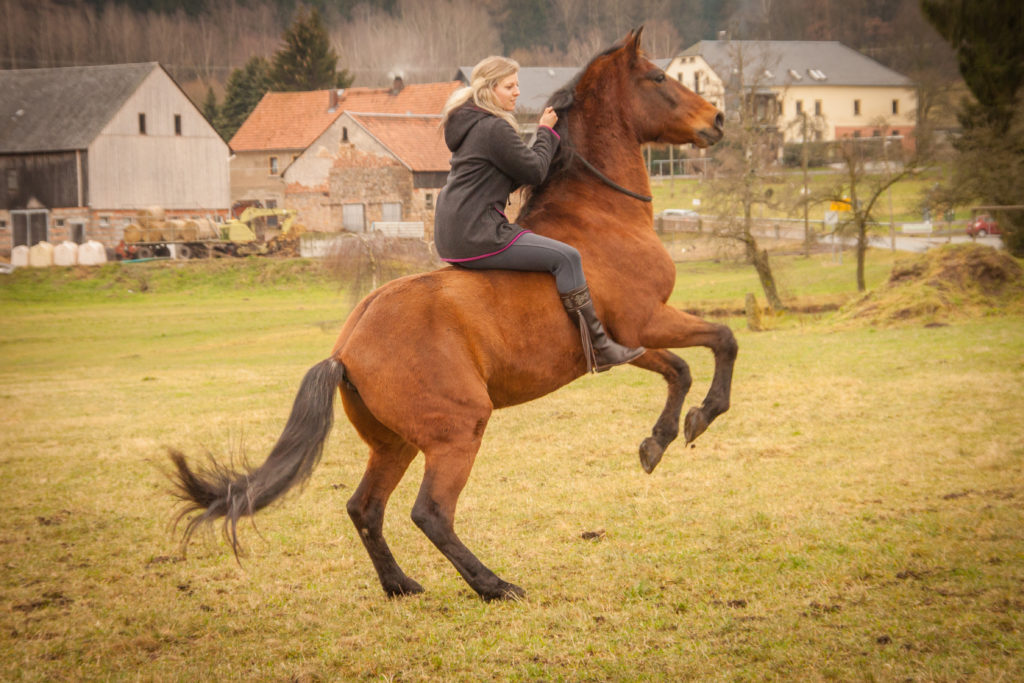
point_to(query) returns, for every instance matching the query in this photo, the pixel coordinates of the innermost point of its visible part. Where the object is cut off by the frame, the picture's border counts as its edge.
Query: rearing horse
(423, 361)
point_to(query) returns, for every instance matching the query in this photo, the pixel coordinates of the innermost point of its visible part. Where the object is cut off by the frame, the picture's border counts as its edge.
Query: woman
(490, 160)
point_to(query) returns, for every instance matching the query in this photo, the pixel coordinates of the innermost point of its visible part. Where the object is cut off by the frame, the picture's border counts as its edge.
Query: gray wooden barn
(83, 149)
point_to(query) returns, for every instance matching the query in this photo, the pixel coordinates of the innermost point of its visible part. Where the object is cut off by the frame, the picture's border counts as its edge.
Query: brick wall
(361, 178)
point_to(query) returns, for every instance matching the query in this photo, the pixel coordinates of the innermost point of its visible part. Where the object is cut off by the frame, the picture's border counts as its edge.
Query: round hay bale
(132, 233)
(189, 231)
(208, 230)
(173, 229)
(155, 213)
(91, 253)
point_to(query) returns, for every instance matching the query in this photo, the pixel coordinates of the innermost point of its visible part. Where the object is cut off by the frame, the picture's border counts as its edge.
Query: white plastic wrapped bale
(65, 254)
(19, 256)
(40, 255)
(91, 253)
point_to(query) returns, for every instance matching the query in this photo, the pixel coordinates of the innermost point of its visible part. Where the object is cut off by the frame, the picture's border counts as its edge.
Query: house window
(177, 124)
(12, 180)
(817, 107)
(273, 165)
(679, 76)
(344, 134)
(429, 200)
(799, 107)
(142, 124)
(895, 106)
(696, 82)
(271, 220)
(856, 107)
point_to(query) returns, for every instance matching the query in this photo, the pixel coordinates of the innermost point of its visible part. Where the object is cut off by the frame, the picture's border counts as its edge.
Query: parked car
(983, 225)
(679, 213)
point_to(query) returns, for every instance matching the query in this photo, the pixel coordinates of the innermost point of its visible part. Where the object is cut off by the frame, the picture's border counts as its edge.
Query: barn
(83, 149)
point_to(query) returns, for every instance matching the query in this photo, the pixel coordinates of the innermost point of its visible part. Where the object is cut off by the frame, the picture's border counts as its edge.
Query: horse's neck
(613, 150)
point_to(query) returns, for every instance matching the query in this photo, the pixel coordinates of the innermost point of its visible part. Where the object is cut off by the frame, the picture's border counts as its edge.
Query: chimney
(397, 85)
(335, 96)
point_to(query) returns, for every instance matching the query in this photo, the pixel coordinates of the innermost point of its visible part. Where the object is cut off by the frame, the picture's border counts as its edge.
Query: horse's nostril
(719, 120)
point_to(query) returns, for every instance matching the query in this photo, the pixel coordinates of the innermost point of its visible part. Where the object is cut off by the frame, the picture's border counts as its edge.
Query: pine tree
(245, 88)
(307, 61)
(209, 107)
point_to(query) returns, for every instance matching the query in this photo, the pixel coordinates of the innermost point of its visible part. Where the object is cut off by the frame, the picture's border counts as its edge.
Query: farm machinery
(255, 231)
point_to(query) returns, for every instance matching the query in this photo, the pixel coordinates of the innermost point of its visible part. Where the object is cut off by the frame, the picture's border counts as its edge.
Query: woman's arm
(525, 165)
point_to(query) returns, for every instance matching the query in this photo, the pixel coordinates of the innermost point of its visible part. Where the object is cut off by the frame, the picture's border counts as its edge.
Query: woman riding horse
(489, 160)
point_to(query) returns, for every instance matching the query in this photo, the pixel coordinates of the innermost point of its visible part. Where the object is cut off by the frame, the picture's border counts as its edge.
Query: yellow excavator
(257, 230)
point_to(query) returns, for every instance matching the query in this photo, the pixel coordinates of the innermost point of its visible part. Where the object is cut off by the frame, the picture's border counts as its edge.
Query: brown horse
(423, 361)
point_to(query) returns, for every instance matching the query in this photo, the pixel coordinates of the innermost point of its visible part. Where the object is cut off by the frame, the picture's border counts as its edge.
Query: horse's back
(499, 337)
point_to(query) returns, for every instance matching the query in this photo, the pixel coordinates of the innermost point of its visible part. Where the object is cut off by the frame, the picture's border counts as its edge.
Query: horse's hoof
(406, 587)
(694, 425)
(650, 454)
(505, 591)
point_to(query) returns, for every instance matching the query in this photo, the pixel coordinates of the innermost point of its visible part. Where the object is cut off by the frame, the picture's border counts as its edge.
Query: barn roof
(415, 140)
(797, 62)
(48, 110)
(293, 120)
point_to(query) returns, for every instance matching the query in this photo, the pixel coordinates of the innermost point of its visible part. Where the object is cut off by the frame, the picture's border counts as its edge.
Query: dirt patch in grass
(954, 282)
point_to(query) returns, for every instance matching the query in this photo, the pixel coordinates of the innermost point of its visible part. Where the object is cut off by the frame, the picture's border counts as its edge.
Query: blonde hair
(486, 75)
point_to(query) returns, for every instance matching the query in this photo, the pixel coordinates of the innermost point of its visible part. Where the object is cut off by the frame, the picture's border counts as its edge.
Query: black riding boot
(600, 350)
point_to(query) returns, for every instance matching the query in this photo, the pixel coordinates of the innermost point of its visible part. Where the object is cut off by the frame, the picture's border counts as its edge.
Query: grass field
(857, 515)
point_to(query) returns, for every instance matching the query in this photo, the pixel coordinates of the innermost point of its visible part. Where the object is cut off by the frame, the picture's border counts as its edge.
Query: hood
(460, 122)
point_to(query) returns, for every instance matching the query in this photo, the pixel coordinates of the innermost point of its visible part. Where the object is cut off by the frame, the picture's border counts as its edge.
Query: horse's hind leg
(677, 374)
(366, 508)
(446, 472)
(390, 456)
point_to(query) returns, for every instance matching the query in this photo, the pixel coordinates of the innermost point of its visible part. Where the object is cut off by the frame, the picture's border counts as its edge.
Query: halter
(605, 179)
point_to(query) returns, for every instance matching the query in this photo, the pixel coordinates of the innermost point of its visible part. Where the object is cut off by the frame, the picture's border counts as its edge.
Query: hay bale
(132, 233)
(173, 229)
(155, 213)
(92, 253)
(189, 231)
(65, 254)
(40, 255)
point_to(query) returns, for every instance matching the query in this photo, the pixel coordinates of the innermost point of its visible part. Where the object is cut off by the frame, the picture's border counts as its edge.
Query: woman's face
(506, 92)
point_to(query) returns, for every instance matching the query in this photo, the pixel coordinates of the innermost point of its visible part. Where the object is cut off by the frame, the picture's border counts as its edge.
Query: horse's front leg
(677, 374)
(670, 328)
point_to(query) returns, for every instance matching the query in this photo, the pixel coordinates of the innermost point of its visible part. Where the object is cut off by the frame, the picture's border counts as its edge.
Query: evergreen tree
(245, 88)
(209, 107)
(988, 36)
(307, 61)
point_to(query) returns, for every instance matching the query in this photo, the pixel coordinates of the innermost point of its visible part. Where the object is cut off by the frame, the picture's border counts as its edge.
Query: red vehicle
(983, 225)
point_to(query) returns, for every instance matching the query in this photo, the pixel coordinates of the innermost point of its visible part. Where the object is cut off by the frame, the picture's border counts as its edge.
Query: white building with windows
(842, 92)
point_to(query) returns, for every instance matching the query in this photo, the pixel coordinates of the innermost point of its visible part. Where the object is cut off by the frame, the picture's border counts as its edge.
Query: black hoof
(650, 454)
(505, 591)
(406, 587)
(694, 425)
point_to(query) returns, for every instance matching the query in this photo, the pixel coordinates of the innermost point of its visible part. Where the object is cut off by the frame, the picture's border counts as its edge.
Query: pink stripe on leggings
(493, 253)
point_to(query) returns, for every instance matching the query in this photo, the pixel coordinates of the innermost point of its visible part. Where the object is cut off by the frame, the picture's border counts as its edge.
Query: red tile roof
(417, 141)
(293, 120)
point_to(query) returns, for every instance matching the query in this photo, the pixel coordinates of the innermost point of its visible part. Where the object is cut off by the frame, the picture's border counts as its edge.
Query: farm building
(835, 90)
(83, 149)
(384, 168)
(284, 153)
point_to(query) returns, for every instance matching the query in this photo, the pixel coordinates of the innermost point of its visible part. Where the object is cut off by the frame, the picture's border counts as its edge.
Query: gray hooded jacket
(489, 160)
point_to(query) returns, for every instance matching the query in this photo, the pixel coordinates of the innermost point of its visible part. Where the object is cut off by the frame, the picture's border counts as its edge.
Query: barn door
(30, 227)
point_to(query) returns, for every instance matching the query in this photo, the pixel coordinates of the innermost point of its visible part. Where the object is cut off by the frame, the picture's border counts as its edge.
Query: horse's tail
(217, 491)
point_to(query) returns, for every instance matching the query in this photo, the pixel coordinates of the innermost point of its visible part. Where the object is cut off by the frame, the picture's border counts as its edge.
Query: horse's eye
(658, 77)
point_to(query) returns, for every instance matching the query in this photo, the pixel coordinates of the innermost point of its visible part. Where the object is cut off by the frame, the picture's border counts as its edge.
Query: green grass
(907, 196)
(855, 516)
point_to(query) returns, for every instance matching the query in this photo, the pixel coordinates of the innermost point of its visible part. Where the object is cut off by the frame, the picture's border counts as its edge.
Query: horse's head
(621, 84)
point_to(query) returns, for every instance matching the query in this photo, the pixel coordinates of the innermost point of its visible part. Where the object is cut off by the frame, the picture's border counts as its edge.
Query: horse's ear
(633, 42)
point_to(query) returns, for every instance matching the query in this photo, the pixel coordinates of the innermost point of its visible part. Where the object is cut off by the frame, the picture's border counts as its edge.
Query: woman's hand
(549, 118)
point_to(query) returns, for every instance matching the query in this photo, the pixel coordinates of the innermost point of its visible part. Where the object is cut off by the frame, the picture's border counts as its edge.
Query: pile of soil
(953, 282)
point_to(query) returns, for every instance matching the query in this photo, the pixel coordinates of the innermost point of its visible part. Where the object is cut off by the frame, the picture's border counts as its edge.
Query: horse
(421, 362)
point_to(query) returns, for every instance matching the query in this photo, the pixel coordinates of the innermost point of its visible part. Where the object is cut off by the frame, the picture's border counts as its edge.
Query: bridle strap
(608, 181)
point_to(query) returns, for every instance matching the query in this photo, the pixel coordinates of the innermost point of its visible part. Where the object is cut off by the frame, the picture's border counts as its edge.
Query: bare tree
(746, 158)
(870, 167)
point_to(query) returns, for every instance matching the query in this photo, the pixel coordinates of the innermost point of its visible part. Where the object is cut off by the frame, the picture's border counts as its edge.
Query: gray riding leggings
(535, 252)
